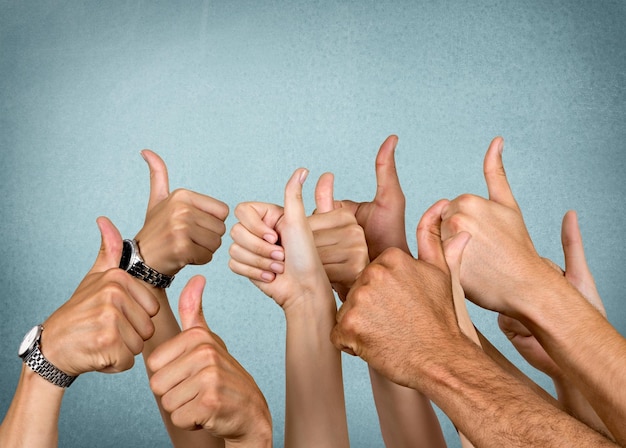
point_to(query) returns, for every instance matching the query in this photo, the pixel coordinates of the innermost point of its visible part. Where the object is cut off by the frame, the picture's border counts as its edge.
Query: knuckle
(468, 201)
(168, 404)
(106, 339)
(180, 195)
(208, 353)
(155, 384)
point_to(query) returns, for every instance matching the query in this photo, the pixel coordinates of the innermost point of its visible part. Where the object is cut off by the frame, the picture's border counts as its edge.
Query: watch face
(29, 340)
(127, 252)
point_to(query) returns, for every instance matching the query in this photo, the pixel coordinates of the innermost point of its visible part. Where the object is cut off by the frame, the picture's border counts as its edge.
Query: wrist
(311, 305)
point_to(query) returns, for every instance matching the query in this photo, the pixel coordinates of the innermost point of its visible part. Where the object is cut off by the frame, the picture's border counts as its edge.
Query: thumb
(453, 251)
(294, 206)
(388, 184)
(495, 176)
(324, 193)
(159, 183)
(190, 304)
(110, 246)
(429, 246)
(576, 269)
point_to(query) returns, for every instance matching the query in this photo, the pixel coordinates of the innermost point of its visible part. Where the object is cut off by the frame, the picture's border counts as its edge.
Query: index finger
(260, 219)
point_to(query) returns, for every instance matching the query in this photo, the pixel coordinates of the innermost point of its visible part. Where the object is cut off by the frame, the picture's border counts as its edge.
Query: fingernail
(303, 174)
(270, 238)
(278, 268)
(278, 255)
(501, 146)
(267, 276)
(143, 156)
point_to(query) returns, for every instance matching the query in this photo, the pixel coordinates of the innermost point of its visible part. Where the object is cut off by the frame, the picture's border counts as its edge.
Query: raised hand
(106, 321)
(339, 239)
(400, 313)
(315, 408)
(202, 386)
(182, 227)
(578, 274)
(382, 219)
(500, 256)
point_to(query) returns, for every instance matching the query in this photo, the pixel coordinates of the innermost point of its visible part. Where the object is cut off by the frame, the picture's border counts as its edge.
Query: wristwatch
(132, 263)
(31, 354)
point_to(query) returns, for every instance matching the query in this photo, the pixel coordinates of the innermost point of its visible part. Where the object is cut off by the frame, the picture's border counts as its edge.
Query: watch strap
(40, 365)
(144, 272)
(139, 269)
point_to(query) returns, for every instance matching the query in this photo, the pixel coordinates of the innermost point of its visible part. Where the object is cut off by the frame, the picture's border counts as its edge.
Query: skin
(346, 234)
(202, 386)
(100, 328)
(184, 227)
(399, 317)
(578, 274)
(315, 407)
(502, 271)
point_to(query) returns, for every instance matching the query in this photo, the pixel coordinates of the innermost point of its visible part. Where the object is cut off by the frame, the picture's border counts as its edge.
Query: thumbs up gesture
(106, 321)
(403, 303)
(339, 240)
(202, 386)
(500, 257)
(182, 227)
(382, 218)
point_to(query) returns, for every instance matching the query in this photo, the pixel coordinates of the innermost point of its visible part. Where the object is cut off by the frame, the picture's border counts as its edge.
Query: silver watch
(132, 263)
(31, 354)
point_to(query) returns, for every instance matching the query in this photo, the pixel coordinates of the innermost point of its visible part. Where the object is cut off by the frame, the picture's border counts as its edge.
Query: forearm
(574, 403)
(511, 369)
(315, 405)
(166, 327)
(406, 416)
(33, 417)
(494, 409)
(590, 352)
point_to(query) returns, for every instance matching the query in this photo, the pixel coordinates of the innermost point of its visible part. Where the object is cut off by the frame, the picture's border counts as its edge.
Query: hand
(578, 274)
(303, 271)
(106, 321)
(202, 385)
(399, 315)
(256, 253)
(500, 258)
(382, 219)
(182, 227)
(339, 239)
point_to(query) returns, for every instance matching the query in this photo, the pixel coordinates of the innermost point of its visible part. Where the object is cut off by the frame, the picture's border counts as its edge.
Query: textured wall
(236, 95)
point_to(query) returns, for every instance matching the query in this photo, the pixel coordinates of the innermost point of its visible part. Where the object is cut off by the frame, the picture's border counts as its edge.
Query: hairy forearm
(590, 352)
(166, 327)
(406, 416)
(494, 409)
(574, 403)
(511, 369)
(33, 417)
(315, 405)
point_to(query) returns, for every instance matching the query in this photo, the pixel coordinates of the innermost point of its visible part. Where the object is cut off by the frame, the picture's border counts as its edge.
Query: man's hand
(106, 321)
(399, 315)
(500, 258)
(182, 227)
(382, 219)
(579, 275)
(202, 386)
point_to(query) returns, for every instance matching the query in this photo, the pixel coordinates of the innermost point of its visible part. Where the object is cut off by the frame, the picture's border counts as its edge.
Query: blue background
(236, 95)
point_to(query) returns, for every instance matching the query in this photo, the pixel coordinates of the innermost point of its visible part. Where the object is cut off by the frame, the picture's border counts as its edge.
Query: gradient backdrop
(236, 95)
